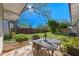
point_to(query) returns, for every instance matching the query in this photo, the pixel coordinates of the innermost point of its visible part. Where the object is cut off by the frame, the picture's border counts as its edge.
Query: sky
(59, 12)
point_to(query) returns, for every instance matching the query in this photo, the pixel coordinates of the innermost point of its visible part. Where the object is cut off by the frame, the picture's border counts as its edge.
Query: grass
(49, 35)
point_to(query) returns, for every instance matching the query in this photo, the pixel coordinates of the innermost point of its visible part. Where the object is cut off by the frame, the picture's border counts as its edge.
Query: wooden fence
(27, 30)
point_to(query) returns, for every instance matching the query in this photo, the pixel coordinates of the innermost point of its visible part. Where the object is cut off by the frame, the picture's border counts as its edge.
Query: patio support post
(15, 26)
(70, 13)
(1, 28)
(77, 29)
(9, 27)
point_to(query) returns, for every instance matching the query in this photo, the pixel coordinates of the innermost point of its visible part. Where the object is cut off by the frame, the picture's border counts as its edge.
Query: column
(78, 29)
(1, 30)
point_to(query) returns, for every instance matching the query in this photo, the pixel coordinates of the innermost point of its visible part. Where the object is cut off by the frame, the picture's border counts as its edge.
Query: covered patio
(9, 14)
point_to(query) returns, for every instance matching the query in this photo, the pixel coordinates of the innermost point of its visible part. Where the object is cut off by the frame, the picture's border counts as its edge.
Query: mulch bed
(11, 46)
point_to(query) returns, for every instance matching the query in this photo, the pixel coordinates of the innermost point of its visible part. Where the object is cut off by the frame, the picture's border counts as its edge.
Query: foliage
(63, 25)
(65, 40)
(20, 37)
(70, 42)
(54, 25)
(74, 42)
(63, 28)
(7, 37)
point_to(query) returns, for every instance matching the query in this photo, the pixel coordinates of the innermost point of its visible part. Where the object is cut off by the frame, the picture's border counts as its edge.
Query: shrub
(71, 42)
(20, 37)
(7, 37)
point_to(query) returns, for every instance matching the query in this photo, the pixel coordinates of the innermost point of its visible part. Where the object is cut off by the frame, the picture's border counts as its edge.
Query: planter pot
(73, 51)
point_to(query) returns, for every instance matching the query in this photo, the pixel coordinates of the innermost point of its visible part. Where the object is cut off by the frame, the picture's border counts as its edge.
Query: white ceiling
(12, 10)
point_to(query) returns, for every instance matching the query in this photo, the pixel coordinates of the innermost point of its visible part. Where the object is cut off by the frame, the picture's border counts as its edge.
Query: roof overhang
(12, 10)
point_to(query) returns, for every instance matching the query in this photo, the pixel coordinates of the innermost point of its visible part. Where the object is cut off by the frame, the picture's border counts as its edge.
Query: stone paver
(20, 52)
(27, 51)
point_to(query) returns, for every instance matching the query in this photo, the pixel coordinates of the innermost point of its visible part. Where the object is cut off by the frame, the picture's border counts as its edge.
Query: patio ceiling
(12, 10)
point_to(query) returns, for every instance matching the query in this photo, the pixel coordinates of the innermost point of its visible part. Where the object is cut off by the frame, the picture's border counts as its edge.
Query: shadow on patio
(27, 51)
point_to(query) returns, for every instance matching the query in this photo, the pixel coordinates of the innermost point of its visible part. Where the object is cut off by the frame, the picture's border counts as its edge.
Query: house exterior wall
(8, 25)
(5, 26)
(1, 30)
(75, 16)
(75, 12)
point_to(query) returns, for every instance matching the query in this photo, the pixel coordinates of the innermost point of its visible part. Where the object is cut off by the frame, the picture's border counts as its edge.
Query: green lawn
(49, 35)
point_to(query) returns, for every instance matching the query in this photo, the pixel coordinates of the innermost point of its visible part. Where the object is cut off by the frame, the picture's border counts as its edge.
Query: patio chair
(71, 32)
(34, 37)
(36, 46)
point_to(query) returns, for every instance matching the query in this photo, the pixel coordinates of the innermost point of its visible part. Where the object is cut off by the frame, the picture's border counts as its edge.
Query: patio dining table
(50, 44)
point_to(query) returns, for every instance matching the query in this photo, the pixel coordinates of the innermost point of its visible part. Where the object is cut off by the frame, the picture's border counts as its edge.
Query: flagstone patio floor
(27, 51)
